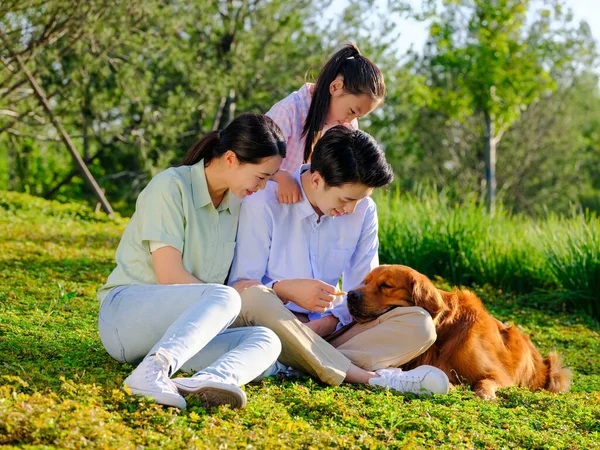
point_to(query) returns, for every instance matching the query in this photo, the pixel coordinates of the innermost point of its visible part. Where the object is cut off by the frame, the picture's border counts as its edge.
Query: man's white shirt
(277, 241)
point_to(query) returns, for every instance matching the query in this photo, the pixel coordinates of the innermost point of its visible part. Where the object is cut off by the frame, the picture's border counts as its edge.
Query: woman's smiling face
(246, 179)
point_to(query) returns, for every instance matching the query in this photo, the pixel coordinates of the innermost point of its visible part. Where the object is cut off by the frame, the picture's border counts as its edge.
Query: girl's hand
(288, 191)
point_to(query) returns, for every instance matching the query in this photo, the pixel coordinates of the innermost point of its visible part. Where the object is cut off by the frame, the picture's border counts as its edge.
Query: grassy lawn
(58, 387)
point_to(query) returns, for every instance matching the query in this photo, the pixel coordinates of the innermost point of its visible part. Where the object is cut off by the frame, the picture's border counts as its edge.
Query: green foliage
(490, 66)
(486, 63)
(482, 56)
(463, 244)
(572, 249)
(26, 207)
(136, 83)
(60, 389)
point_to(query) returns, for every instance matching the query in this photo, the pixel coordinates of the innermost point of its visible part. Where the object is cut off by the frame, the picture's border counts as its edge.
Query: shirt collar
(306, 209)
(225, 203)
(200, 189)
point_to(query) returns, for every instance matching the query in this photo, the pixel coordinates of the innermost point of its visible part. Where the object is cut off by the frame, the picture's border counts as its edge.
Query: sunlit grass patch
(59, 388)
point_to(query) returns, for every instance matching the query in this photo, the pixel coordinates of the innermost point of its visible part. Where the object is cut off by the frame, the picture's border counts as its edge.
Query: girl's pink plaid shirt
(290, 114)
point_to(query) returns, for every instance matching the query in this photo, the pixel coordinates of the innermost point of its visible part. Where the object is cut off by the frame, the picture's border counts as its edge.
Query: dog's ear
(426, 296)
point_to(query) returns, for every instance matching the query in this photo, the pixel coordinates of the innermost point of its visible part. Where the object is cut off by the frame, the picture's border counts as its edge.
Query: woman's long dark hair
(251, 137)
(361, 76)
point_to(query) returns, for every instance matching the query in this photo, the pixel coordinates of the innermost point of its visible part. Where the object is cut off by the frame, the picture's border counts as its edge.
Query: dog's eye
(385, 286)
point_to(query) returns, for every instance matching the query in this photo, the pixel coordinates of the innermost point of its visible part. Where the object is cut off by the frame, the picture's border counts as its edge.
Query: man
(298, 252)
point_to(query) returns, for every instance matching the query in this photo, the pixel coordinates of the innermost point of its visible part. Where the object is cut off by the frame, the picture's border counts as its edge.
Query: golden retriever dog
(471, 345)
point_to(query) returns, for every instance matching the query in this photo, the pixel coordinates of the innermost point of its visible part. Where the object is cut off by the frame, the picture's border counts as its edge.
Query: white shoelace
(158, 373)
(403, 382)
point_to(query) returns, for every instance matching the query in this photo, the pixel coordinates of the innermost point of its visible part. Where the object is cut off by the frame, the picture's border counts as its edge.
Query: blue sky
(414, 33)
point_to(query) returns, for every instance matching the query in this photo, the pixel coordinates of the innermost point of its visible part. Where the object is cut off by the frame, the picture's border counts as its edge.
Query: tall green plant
(572, 249)
(463, 244)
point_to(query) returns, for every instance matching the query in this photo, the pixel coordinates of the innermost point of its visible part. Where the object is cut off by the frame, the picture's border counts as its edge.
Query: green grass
(558, 259)
(59, 389)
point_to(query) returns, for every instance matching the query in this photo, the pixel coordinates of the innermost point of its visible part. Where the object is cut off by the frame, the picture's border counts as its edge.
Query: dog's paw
(486, 394)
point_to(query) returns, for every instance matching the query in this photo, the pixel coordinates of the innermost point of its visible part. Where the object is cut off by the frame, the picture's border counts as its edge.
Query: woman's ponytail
(202, 150)
(251, 137)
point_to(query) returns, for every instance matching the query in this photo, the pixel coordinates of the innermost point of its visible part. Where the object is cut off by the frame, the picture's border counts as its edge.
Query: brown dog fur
(471, 345)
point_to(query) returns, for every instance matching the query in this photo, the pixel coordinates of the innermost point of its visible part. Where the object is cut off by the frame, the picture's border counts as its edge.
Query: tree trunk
(50, 192)
(490, 162)
(225, 112)
(87, 120)
(12, 164)
(41, 96)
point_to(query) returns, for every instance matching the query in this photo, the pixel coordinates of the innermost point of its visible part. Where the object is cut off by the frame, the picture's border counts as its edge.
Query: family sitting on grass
(282, 251)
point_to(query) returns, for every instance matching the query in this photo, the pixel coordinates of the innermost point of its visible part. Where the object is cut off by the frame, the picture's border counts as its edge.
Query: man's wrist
(278, 292)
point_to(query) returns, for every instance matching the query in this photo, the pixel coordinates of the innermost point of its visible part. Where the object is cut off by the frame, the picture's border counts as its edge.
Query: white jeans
(188, 321)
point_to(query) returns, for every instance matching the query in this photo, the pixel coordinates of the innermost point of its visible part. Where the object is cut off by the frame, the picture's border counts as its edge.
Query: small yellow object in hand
(340, 293)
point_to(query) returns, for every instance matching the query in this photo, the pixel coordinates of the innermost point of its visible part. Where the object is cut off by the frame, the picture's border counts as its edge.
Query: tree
(550, 158)
(135, 83)
(27, 28)
(483, 60)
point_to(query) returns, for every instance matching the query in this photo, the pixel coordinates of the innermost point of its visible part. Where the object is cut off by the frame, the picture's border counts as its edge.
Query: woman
(165, 301)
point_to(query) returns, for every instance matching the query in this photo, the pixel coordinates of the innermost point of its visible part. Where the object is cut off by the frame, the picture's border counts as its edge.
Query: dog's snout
(354, 296)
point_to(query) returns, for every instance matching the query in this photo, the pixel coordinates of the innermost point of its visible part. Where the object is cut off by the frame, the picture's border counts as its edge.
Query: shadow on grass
(82, 270)
(68, 239)
(42, 359)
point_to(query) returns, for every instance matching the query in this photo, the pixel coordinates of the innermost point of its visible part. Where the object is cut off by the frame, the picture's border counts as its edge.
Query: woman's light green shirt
(176, 209)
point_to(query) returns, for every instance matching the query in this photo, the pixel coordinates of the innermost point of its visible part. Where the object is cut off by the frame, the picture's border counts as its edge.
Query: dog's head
(388, 286)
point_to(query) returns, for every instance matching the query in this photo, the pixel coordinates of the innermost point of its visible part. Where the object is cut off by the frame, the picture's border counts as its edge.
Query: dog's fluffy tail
(559, 378)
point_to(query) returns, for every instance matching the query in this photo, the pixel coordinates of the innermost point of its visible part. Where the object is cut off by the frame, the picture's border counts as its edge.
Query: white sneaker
(211, 390)
(422, 380)
(151, 379)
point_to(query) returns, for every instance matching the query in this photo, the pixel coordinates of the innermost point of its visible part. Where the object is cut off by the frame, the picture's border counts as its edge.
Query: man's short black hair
(345, 156)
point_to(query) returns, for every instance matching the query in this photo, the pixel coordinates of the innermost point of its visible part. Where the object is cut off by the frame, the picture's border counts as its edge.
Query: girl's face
(339, 200)
(344, 107)
(246, 179)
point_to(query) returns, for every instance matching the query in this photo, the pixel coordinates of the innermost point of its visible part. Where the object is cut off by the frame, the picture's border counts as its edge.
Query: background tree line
(135, 83)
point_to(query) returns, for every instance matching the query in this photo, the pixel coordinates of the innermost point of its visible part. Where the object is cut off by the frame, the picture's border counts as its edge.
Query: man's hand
(313, 295)
(323, 326)
(241, 286)
(288, 190)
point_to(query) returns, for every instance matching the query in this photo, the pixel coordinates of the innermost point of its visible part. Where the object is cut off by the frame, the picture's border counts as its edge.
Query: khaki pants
(391, 340)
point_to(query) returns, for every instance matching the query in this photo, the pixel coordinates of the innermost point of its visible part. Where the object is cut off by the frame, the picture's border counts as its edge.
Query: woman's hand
(241, 286)
(313, 295)
(288, 191)
(323, 326)
(168, 267)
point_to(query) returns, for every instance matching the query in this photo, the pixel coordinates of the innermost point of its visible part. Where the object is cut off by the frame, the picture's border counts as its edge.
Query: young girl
(165, 303)
(349, 86)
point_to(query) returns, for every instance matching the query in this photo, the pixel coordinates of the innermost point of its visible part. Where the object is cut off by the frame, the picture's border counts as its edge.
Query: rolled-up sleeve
(161, 215)
(253, 245)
